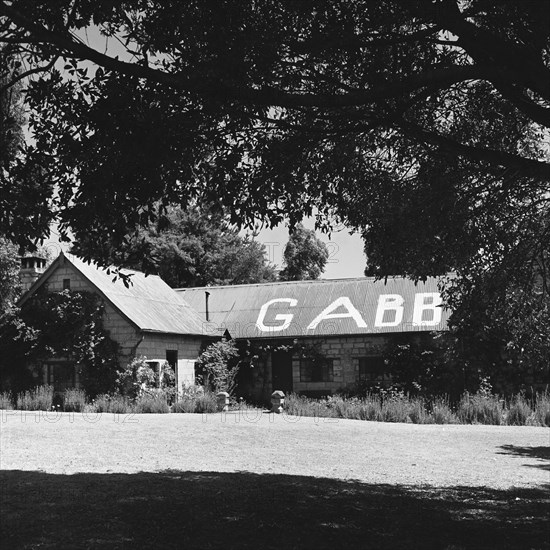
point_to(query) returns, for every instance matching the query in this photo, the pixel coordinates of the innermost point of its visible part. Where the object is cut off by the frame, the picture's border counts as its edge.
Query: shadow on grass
(542, 454)
(174, 509)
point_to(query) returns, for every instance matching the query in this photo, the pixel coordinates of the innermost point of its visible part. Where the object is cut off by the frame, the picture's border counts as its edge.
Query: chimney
(206, 296)
(32, 266)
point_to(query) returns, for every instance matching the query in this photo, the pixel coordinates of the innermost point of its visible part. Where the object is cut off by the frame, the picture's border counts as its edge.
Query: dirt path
(498, 457)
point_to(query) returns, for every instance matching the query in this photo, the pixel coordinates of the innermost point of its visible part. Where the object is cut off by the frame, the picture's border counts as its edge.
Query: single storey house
(306, 336)
(145, 318)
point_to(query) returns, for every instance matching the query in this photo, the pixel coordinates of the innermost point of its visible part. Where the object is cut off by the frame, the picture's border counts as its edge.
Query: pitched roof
(148, 302)
(322, 307)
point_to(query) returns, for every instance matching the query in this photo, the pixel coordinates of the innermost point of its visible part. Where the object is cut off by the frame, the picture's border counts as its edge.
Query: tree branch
(439, 77)
(509, 160)
(28, 73)
(490, 49)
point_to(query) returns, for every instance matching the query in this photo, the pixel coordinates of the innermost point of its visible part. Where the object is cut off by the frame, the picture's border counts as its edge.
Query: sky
(346, 256)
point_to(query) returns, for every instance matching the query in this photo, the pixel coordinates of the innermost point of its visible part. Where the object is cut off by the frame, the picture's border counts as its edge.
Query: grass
(221, 481)
(37, 399)
(6, 402)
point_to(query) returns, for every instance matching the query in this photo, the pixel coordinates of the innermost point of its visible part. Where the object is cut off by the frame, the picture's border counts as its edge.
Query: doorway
(281, 368)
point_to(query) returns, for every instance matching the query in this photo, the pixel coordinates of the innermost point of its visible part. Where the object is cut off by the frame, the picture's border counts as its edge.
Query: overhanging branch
(509, 160)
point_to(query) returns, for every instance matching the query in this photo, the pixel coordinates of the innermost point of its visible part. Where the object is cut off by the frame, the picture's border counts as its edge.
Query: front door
(281, 368)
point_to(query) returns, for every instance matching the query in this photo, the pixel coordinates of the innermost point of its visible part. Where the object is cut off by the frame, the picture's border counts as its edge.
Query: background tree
(305, 256)
(194, 247)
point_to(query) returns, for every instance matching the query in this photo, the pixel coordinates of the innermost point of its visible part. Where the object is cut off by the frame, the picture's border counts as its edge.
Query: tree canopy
(194, 247)
(421, 123)
(305, 256)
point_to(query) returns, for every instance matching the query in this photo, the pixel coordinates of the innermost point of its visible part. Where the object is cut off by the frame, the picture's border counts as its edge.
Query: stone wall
(345, 351)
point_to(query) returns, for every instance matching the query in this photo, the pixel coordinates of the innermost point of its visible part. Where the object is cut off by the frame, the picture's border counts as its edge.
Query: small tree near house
(62, 324)
(217, 366)
(140, 377)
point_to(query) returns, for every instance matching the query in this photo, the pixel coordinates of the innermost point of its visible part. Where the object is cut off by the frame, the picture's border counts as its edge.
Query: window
(318, 370)
(373, 369)
(66, 284)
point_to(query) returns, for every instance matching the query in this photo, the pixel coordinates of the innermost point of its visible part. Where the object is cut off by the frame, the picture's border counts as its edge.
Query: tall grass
(299, 405)
(193, 401)
(391, 406)
(5, 400)
(37, 399)
(156, 403)
(74, 400)
(105, 403)
(442, 412)
(479, 408)
(519, 411)
(542, 409)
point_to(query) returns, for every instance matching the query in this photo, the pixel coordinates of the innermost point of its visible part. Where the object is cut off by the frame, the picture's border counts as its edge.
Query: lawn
(265, 481)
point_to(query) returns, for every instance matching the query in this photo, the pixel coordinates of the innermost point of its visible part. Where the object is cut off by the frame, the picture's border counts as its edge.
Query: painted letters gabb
(286, 316)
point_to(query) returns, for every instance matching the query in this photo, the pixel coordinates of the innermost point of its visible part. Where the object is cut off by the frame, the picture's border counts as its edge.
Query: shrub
(136, 377)
(519, 411)
(151, 403)
(206, 403)
(74, 400)
(37, 399)
(5, 401)
(184, 405)
(214, 365)
(542, 409)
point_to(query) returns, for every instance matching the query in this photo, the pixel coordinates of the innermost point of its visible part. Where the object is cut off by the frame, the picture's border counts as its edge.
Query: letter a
(344, 301)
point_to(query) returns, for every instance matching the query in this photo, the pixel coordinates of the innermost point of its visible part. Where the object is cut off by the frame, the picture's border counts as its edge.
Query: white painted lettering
(344, 301)
(388, 303)
(427, 302)
(286, 318)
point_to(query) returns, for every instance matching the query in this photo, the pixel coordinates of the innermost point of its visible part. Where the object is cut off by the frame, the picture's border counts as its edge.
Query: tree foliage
(9, 277)
(218, 366)
(60, 324)
(305, 256)
(415, 121)
(193, 247)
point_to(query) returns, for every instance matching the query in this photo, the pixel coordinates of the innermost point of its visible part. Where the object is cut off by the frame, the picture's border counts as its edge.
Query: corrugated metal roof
(148, 302)
(322, 307)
